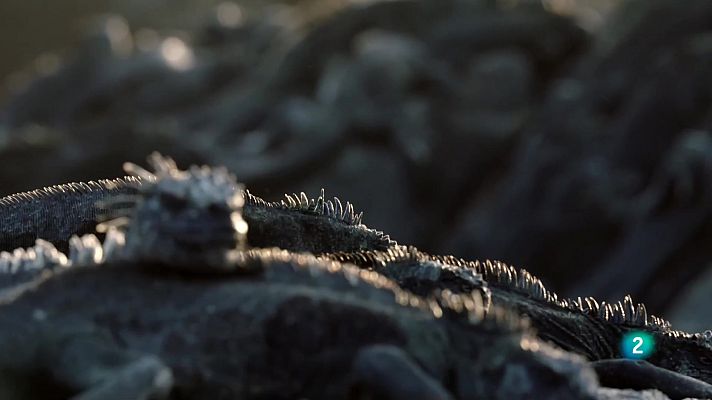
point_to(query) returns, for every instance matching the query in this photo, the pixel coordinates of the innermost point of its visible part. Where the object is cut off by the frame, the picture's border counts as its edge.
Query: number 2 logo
(637, 345)
(639, 342)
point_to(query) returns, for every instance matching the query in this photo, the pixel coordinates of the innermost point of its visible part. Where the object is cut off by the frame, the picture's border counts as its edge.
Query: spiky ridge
(497, 273)
(41, 256)
(179, 201)
(470, 306)
(295, 202)
(112, 201)
(375, 258)
(520, 280)
(89, 250)
(83, 251)
(22, 266)
(104, 185)
(319, 206)
(201, 186)
(217, 185)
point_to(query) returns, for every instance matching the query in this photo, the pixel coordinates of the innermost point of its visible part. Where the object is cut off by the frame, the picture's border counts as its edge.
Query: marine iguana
(583, 325)
(370, 333)
(156, 201)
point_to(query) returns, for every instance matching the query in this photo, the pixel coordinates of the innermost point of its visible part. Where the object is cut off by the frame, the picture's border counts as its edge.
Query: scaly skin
(162, 212)
(264, 323)
(42, 214)
(584, 326)
(291, 329)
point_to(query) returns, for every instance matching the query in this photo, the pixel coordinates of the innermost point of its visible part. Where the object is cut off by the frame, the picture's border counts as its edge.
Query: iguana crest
(197, 220)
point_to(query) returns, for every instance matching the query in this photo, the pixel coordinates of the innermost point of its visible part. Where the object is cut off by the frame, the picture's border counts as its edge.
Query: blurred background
(569, 137)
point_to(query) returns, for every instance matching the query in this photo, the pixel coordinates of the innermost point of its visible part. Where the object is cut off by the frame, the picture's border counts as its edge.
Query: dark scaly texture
(55, 213)
(333, 230)
(297, 224)
(583, 325)
(223, 335)
(292, 329)
(315, 225)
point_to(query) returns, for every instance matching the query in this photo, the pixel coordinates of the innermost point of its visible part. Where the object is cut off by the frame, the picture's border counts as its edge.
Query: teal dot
(637, 345)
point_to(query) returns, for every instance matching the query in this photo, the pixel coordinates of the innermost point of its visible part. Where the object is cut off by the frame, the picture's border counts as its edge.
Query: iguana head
(185, 218)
